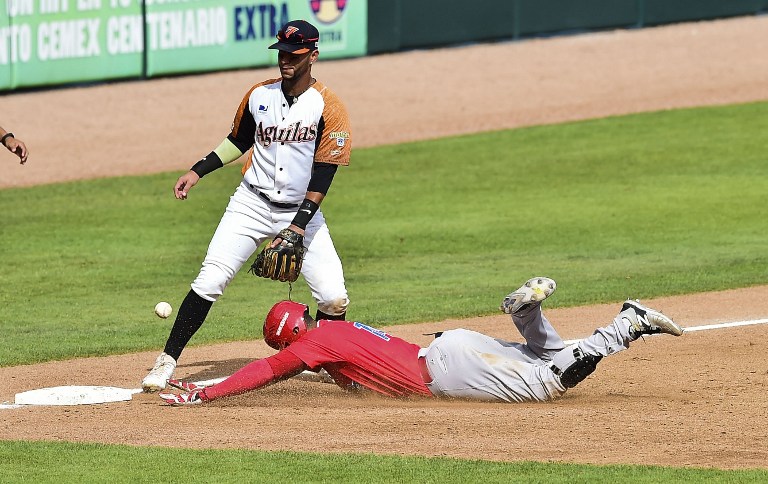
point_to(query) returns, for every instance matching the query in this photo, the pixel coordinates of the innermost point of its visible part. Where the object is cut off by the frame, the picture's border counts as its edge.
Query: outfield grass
(641, 206)
(69, 462)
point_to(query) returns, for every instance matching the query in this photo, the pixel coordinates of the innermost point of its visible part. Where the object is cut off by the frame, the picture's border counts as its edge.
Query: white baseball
(163, 309)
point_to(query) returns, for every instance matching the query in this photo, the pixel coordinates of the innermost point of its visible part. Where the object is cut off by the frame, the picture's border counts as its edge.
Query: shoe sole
(534, 290)
(657, 319)
(157, 379)
(151, 388)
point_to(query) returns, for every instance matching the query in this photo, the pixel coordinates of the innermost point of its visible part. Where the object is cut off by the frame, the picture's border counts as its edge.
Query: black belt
(269, 201)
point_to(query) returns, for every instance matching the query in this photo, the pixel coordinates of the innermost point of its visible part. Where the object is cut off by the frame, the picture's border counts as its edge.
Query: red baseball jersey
(365, 355)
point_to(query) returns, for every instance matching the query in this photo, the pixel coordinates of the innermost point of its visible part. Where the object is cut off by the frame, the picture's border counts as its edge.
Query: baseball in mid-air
(163, 309)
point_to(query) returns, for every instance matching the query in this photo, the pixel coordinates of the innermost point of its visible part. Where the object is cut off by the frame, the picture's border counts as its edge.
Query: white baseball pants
(247, 222)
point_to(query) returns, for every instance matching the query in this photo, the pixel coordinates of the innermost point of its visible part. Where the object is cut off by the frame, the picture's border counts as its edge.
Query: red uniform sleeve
(257, 374)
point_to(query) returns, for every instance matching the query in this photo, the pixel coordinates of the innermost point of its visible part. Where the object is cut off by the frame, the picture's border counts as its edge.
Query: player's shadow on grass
(214, 369)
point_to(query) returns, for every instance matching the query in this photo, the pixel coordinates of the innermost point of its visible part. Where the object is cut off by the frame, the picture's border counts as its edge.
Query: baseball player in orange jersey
(459, 363)
(298, 132)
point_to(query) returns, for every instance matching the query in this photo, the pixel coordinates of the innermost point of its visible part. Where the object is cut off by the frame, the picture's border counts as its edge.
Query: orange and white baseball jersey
(288, 137)
(285, 140)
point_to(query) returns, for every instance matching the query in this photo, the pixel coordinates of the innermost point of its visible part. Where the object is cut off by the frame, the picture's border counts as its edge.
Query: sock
(190, 317)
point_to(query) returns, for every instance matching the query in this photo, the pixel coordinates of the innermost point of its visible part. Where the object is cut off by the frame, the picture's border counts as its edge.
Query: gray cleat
(533, 291)
(643, 320)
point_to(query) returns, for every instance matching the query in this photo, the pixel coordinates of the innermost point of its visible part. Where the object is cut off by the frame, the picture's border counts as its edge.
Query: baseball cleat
(643, 320)
(533, 291)
(193, 398)
(159, 375)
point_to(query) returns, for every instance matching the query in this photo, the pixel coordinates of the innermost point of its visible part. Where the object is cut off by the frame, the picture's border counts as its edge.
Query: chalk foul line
(705, 327)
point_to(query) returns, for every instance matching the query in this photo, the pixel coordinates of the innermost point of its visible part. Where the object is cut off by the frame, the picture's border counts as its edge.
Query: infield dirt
(697, 400)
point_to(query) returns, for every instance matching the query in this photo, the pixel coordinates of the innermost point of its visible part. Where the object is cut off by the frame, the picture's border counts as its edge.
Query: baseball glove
(282, 262)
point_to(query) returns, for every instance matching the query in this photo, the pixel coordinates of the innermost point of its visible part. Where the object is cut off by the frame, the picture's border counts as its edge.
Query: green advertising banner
(200, 35)
(61, 41)
(50, 42)
(5, 47)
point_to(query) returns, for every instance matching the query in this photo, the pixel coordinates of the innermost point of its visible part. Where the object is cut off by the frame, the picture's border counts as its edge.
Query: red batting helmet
(285, 324)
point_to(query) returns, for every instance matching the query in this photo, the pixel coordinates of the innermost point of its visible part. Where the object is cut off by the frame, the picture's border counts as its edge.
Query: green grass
(68, 462)
(644, 205)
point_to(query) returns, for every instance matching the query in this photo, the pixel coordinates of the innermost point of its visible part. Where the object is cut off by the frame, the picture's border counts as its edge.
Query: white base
(90, 395)
(74, 395)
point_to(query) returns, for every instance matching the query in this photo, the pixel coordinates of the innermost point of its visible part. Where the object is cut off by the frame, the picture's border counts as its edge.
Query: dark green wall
(547, 16)
(667, 11)
(405, 24)
(408, 24)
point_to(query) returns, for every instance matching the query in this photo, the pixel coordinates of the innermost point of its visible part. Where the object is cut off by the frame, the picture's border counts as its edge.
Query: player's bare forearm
(316, 197)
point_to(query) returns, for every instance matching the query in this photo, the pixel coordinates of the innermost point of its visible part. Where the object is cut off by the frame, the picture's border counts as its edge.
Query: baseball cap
(297, 36)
